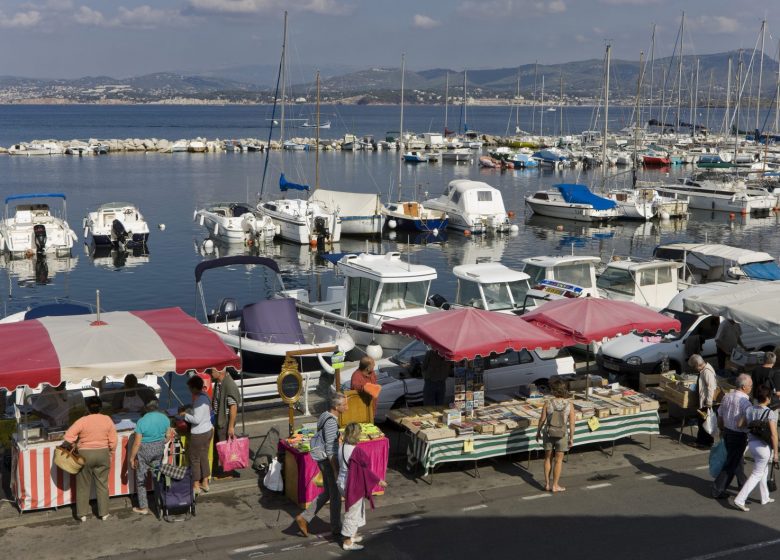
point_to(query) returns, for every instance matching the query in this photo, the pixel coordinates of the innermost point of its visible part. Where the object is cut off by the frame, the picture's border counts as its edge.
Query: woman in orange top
(366, 375)
(95, 437)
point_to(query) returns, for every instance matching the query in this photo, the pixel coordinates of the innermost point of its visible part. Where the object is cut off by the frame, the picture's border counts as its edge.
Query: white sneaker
(352, 546)
(104, 517)
(743, 507)
(359, 538)
(83, 518)
(769, 501)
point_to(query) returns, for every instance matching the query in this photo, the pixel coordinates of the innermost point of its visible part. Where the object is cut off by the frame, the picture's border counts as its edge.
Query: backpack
(759, 428)
(556, 421)
(317, 444)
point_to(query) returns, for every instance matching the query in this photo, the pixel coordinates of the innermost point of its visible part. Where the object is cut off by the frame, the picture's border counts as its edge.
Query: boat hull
(575, 212)
(723, 202)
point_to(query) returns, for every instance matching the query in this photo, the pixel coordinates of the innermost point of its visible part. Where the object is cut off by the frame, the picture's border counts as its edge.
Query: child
(356, 482)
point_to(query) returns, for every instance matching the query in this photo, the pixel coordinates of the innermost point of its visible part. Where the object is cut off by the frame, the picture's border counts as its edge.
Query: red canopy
(585, 320)
(76, 347)
(464, 334)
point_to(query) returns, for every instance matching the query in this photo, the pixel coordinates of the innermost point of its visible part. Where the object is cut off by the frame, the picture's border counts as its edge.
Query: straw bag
(68, 460)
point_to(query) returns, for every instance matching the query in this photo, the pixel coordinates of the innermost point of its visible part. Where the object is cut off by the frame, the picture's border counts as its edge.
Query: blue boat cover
(33, 195)
(57, 310)
(762, 271)
(272, 320)
(580, 194)
(285, 185)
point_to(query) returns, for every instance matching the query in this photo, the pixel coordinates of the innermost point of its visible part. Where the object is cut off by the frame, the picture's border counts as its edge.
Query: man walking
(324, 450)
(765, 375)
(225, 407)
(731, 420)
(435, 371)
(728, 337)
(707, 385)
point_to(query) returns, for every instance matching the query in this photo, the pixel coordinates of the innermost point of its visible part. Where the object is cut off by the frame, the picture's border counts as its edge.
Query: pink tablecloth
(378, 451)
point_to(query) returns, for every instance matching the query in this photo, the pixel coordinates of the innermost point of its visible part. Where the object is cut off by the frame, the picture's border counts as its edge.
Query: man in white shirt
(731, 421)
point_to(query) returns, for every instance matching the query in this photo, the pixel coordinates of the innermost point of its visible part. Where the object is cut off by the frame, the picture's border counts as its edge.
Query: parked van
(634, 354)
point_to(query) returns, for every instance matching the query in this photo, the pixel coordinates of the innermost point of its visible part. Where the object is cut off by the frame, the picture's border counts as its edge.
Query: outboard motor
(438, 300)
(118, 234)
(39, 231)
(321, 230)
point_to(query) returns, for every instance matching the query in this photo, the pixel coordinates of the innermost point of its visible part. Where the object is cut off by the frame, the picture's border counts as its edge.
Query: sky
(123, 38)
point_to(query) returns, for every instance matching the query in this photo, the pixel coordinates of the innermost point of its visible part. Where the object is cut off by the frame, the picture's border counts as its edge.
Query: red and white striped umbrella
(77, 347)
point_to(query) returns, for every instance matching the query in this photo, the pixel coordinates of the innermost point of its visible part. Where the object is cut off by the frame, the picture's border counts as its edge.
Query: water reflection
(115, 259)
(38, 270)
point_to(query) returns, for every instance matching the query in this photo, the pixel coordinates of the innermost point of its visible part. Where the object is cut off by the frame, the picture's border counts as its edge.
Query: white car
(402, 383)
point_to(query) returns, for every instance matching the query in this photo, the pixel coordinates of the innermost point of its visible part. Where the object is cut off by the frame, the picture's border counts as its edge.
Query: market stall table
(300, 469)
(431, 453)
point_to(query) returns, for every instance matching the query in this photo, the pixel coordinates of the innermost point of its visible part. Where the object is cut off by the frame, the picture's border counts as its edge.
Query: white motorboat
(635, 204)
(302, 221)
(575, 270)
(713, 262)
(236, 222)
(33, 228)
(472, 205)
(360, 213)
(415, 156)
(263, 332)
(376, 288)
(36, 149)
(652, 283)
(572, 202)
(457, 155)
(721, 193)
(116, 224)
(413, 216)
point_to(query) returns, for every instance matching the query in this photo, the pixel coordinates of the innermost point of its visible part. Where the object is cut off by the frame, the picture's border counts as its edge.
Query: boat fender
(392, 224)
(208, 245)
(194, 215)
(326, 367)
(161, 227)
(202, 219)
(514, 228)
(216, 229)
(374, 351)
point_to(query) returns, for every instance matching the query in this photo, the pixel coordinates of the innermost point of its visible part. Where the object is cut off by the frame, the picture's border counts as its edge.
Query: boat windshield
(574, 273)
(519, 289)
(536, 273)
(497, 296)
(468, 294)
(617, 280)
(402, 296)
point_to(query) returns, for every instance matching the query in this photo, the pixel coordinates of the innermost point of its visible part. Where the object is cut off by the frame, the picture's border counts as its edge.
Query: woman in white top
(201, 430)
(763, 452)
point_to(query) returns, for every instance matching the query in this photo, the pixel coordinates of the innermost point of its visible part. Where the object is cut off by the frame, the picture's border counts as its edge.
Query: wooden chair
(359, 409)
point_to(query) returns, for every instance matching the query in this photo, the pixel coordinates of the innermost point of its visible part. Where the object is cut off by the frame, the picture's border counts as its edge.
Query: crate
(647, 380)
(683, 398)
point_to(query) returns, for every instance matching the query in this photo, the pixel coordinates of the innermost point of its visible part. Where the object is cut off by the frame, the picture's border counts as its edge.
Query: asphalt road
(643, 511)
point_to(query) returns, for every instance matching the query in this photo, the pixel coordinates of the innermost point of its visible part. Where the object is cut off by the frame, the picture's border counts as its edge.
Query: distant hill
(254, 83)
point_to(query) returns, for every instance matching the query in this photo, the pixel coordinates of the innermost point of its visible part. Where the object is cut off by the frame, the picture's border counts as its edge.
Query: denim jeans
(330, 494)
(735, 442)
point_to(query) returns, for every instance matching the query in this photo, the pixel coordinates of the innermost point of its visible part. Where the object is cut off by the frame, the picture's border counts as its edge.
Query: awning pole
(241, 373)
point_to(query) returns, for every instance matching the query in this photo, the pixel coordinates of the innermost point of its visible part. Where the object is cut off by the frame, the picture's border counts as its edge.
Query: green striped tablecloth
(431, 453)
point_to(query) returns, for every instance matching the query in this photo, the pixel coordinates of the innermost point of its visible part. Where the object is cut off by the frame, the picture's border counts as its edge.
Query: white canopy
(726, 252)
(753, 303)
(349, 203)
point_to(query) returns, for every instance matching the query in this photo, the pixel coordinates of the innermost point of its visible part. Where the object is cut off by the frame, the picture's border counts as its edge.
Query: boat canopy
(726, 252)
(272, 320)
(350, 205)
(234, 260)
(33, 195)
(580, 194)
(57, 310)
(285, 185)
(762, 271)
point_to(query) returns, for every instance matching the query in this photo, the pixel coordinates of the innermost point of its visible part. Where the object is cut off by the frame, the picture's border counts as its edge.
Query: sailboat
(299, 220)
(410, 215)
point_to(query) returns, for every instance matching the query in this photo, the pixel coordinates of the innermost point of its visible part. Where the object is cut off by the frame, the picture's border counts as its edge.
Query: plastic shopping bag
(717, 458)
(273, 478)
(233, 453)
(711, 423)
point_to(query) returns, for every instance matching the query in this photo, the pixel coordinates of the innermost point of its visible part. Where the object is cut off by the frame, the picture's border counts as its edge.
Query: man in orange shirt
(362, 376)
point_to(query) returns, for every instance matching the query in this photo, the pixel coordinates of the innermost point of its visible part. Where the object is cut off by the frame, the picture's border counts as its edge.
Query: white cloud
(249, 7)
(502, 8)
(424, 22)
(87, 16)
(27, 19)
(716, 24)
(140, 17)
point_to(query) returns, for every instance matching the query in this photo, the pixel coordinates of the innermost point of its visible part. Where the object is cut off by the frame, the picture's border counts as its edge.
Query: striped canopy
(77, 347)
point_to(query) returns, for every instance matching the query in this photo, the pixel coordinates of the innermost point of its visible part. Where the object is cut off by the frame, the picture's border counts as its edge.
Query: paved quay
(239, 519)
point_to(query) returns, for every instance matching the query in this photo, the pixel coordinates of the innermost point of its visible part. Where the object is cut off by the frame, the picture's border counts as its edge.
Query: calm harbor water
(169, 187)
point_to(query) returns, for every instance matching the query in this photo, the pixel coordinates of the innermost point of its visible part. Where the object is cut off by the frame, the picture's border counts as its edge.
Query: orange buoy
(511, 213)
(312, 242)
(467, 232)
(731, 216)
(744, 212)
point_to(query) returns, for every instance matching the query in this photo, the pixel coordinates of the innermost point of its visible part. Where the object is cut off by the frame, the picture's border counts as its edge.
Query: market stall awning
(76, 347)
(464, 334)
(752, 303)
(586, 320)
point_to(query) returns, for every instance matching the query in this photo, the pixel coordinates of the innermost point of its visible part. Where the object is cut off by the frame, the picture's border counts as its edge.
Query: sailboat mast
(541, 110)
(637, 116)
(560, 108)
(465, 104)
(284, 77)
(727, 115)
(401, 133)
(606, 113)
(652, 69)
(760, 72)
(317, 139)
(679, 74)
(709, 97)
(736, 110)
(533, 111)
(446, 101)
(695, 100)
(777, 94)
(517, 102)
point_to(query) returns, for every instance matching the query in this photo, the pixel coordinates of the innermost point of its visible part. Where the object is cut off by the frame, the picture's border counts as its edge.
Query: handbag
(273, 478)
(233, 453)
(168, 469)
(68, 460)
(771, 483)
(710, 424)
